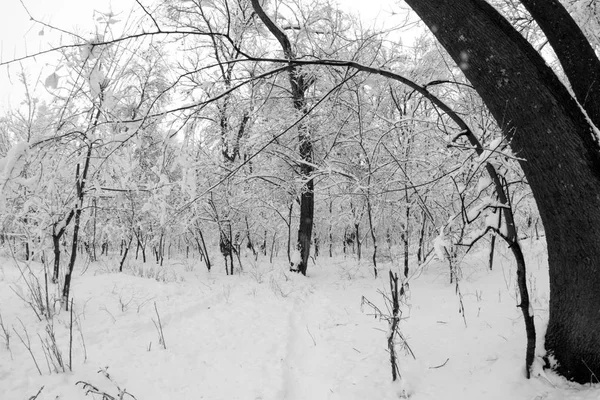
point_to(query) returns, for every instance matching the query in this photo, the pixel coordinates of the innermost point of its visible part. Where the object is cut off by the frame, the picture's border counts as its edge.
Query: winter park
(300, 199)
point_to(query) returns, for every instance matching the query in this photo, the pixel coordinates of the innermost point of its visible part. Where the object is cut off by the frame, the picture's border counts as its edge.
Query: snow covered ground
(271, 334)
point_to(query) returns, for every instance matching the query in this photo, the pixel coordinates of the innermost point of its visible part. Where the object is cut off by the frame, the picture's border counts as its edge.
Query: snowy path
(323, 359)
(279, 336)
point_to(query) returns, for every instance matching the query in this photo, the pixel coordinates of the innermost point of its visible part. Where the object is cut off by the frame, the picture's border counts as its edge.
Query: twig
(159, 328)
(592, 374)
(89, 388)
(378, 313)
(71, 339)
(27, 345)
(6, 335)
(149, 14)
(50, 347)
(311, 336)
(441, 365)
(77, 321)
(34, 397)
(46, 286)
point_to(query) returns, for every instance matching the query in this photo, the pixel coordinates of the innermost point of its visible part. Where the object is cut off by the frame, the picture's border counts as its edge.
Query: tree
(299, 85)
(557, 146)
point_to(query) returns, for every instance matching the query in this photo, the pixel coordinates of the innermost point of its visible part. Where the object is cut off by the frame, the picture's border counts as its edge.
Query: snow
(96, 80)
(440, 244)
(491, 219)
(11, 166)
(267, 333)
(295, 258)
(483, 183)
(494, 144)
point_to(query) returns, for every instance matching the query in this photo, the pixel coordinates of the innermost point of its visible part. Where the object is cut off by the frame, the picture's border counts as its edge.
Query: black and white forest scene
(300, 199)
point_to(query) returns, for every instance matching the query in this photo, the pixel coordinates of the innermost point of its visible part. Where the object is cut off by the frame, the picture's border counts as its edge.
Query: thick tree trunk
(560, 160)
(299, 86)
(307, 208)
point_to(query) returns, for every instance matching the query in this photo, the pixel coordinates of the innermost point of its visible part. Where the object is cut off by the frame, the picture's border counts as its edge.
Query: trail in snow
(332, 346)
(272, 335)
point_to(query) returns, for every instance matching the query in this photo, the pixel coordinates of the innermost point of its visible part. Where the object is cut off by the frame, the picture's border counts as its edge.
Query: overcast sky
(19, 36)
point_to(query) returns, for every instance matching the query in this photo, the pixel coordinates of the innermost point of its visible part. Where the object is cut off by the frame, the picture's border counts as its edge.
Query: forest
(276, 199)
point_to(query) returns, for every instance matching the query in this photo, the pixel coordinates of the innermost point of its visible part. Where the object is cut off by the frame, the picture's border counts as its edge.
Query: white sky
(20, 36)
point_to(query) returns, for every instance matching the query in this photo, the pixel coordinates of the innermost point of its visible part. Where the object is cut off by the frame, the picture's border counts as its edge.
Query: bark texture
(561, 162)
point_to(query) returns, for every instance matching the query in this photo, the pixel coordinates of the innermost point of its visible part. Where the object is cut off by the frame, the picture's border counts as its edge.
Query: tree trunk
(405, 236)
(299, 85)
(574, 52)
(357, 235)
(551, 136)
(137, 248)
(492, 248)
(372, 229)
(250, 245)
(421, 249)
(92, 251)
(272, 247)
(231, 244)
(56, 246)
(493, 240)
(289, 235)
(330, 228)
(206, 258)
(80, 182)
(125, 253)
(307, 205)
